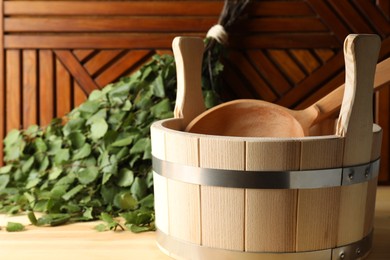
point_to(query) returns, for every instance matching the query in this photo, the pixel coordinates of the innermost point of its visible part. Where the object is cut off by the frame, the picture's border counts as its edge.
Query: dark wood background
(54, 53)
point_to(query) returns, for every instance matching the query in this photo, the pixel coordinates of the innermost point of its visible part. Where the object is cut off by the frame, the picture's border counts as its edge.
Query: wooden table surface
(81, 241)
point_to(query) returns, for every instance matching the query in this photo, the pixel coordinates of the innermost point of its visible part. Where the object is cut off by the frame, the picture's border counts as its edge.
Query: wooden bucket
(221, 197)
(244, 198)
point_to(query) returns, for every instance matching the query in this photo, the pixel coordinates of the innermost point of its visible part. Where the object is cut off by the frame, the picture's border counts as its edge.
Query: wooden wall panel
(287, 52)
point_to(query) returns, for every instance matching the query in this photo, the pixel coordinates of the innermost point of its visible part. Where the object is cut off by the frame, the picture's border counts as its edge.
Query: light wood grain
(272, 154)
(270, 215)
(183, 198)
(318, 209)
(317, 218)
(355, 123)
(80, 241)
(353, 200)
(161, 202)
(188, 54)
(223, 208)
(270, 220)
(223, 217)
(321, 152)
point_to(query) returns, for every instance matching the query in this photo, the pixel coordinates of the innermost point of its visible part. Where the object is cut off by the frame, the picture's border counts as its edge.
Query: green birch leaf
(125, 178)
(73, 124)
(12, 137)
(88, 175)
(14, 227)
(26, 166)
(61, 156)
(123, 141)
(90, 106)
(161, 108)
(125, 201)
(40, 145)
(139, 188)
(6, 169)
(54, 173)
(83, 152)
(98, 129)
(101, 227)
(32, 183)
(77, 139)
(44, 164)
(4, 180)
(70, 194)
(106, 177)
(140, 146)
(158, 87)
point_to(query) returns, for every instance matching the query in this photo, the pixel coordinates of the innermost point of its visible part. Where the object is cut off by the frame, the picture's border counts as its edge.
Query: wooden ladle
(256, 118)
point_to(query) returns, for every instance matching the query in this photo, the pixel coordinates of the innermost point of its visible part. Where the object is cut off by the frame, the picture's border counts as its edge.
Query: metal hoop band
(180, 249)
(307, 179)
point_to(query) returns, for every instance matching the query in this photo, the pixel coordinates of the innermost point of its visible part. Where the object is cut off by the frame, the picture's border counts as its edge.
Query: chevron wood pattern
(54, 53)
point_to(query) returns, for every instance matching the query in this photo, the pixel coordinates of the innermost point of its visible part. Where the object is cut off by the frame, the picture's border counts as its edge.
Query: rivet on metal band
(180, 249)
(307, 179)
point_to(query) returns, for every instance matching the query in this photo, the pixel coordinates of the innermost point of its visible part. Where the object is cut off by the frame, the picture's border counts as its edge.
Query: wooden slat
(13, 90)
(329, 17)
(370, 206)
(350, 16)
(384, 6)
(306, 60)
(321, 153)
(287, 65)
(160, 183)
(94, 41)
(280, 155)
(352, 213)
(76, 70)
(168, 8)
(183, 198)
(46, 87)
(284, 40)
(222, 208)
(283, 24)
(2, 85)
(382, 118)
(100, 60)
(271, 211)
(318, 209)
(270, 220)
(269, 71)
(256, 82)
(315, 79)
(234, 83)
(122, 65)
(81, 55)
(30, 89)
(324, 54)
(280, 8)
(63, 90)
(223, 217)
(79, 96)
(376, 17)
(161, 202)
(117, 24)
(317, 218)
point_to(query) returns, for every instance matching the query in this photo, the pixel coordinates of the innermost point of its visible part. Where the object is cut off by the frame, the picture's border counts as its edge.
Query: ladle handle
(188, 53)
(355, 121)
(331, 103)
